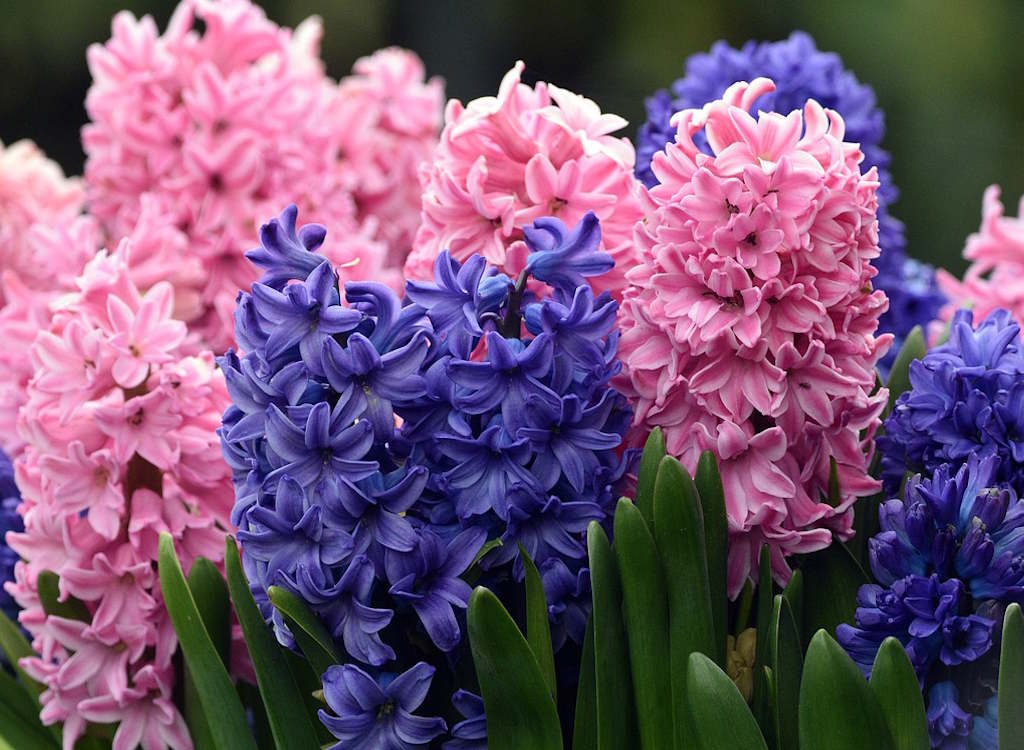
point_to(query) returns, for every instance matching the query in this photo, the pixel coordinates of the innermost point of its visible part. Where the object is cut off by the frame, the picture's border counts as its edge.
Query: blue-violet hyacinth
(381, 448)
(10, 498)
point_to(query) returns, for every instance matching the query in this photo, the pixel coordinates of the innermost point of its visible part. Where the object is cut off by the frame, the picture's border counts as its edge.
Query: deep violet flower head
(382, 449)
(10, 498)
(948, 560)
(749, 329)
(801, 71)
(233, 116)
(505, 161)
(965, 398)
(120, 432)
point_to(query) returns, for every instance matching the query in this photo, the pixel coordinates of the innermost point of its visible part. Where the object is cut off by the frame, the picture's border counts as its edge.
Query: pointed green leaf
(717, 710)
(786, 660)
(716, 545)
(311, 635)
(18, 701)
(230, 730)
(831, 580)
(645, 612)
(794, 594)
(838, 711)
(1011, 679)
(654, 451)
(14, 646)
(616, 712)
(765, 597)
(679, 534)
(744, 605)
(899, 695)
(48, 585)
(23, 735)
(538, 628)
(211, 597)
(286, 711)
(584, 733)
(914, 347)
(520, 711)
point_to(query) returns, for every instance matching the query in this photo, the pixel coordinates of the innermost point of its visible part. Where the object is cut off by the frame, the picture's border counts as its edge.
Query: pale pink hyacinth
(120, 430)
(222, 126)
(33, 191)
(749, 328)
(995, 277)
(505, 161)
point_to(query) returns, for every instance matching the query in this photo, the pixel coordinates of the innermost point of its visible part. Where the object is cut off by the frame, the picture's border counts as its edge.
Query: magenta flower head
(749, 328)
(504, 162)
(232, 117)
(120, 431)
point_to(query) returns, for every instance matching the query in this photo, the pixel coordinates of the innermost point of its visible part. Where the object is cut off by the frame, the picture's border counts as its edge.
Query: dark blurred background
(947, 74)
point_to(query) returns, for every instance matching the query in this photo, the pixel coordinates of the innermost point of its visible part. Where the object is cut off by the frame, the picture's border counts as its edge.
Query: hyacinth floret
(749, 329)
(118, 426)
(10, 498)
(377, 446)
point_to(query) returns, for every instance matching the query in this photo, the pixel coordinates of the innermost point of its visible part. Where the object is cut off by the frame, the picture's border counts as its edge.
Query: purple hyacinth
(10, 498)
(801, 72)
(565, 258)
(471, 732)
(378, 714)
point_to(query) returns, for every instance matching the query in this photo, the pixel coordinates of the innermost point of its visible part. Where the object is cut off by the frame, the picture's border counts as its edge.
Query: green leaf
(914, 347)
(645, 612)
(765, 597)
(679, 534)
(211, 597)
(646, 476)
(520, 711)
(538, 628)
(831, 580)
(716, 545)
(1011, 679)
(311, 635)
(584, 733)
(286, 711)
(217, 694)
(786, 660)
(616, 709)
(71, 608)
(14, 646)
(899, 695)
(20, 734)
(717, 710)
(794, 594)
(18, 701)
(838, 711)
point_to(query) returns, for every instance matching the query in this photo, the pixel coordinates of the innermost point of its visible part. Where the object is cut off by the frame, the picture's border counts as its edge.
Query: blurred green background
(947, 74)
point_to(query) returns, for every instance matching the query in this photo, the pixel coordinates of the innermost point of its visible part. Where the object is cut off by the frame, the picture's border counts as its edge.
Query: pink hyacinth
(120, 432)
(749, 328)
(995, 277)
(33, 191)
(529, 152)
(222, 126)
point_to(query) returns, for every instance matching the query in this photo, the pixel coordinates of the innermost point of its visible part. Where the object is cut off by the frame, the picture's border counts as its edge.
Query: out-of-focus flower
(749, 330)
(10, 521)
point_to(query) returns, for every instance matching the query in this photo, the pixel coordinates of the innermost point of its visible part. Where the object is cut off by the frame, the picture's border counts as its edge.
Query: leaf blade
(1011, 679)
(895, 685)
(716, 541)
(538, 628)
(647, 473)
(311, 635)
(718, 712)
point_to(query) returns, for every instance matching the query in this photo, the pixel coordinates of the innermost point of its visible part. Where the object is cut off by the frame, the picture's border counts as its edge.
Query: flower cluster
(966, 398)
(995, 278)
(505, 161)
(120, 427)
(803, 72)
(33, 191)
(378, 447)
(948, 559)
(181, 120)
(749, 328)
(10, 498)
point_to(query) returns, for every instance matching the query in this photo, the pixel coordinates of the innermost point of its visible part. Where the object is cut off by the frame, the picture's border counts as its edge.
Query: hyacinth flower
(504, 162)
(200, 150)
(996, 255)
(422, 441)
(948, 560)
(965, 399)
(119, 423)
(733, 342)
(801, 72)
